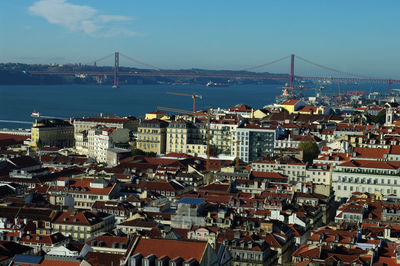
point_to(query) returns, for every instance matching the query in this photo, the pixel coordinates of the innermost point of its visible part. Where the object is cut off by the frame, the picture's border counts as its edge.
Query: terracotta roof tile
(171, 248)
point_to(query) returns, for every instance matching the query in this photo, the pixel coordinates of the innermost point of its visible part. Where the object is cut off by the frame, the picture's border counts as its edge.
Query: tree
(310, 150)
(40, 144)
(380, 118)
(138, 152)
(151, 154)
(214, 150)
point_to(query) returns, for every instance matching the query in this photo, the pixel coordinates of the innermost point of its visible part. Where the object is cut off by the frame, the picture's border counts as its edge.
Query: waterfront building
(292, 105)
(84, 139)
(52, 132)
(84, 124)
(241, 110)
(320, 110)
(157, 115)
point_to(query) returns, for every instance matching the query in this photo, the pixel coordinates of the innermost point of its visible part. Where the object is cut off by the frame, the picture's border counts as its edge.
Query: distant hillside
(18, 74)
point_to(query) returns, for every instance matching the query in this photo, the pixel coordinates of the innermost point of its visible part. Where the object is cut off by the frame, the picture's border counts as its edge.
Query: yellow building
(152, 136)
(83, 225)
(178, 136)
(52, 132)
(186, 137)
(313, 110)
(260, 114)
(292, 105)
(157, 115)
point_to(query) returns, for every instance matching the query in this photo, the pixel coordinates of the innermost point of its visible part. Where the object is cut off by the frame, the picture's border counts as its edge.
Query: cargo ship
(214, 84)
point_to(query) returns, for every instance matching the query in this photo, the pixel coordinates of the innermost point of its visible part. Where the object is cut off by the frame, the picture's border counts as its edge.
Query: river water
(64, 101)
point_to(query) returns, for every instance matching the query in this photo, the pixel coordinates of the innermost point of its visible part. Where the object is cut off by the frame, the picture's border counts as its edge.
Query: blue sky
(355, 36)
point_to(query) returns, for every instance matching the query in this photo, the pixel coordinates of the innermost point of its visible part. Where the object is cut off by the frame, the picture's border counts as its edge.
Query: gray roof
(195, 201)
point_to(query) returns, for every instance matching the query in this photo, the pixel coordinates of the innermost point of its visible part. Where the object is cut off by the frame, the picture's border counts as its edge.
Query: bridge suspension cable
(266, 64)
(332, 69)
(100, 59)
(139, 62)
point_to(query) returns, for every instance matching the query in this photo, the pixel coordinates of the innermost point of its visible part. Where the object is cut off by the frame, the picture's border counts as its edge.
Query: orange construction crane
(194, 96)
(237, 154)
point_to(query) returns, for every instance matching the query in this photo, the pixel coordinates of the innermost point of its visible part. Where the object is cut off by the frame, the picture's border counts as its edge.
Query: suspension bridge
(154, 71)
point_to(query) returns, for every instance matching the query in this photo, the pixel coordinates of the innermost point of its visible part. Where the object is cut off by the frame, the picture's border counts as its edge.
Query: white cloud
(112, 18)
(78, 17)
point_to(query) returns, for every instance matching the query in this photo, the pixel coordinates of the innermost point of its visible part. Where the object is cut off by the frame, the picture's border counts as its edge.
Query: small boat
(35, 114)
(213, 84)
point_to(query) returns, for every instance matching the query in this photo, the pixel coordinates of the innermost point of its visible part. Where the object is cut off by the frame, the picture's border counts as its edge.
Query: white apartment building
(84, 140)
(295, 170)
(102, 141)
(254, 141)
(366, 176)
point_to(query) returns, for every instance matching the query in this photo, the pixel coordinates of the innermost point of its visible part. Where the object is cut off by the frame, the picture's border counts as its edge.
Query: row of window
(364, 189)
(148, 146)
(363, 180)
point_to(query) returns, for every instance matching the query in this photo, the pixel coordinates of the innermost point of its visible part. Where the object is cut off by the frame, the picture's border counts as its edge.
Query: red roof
(78, 217)
(17, 138)
(371, 164)
(268, 175)
(82, 186)
(114, 120)
(171, 248)
(308, 109)
(241, 108)
(108, 240)
(290, 102)
(395, 149)
(160, 186)
(215, 187)
(43, 239)
(370, 152)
